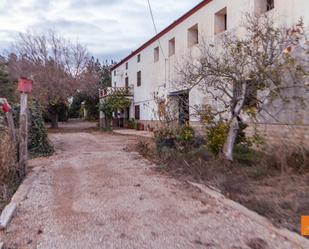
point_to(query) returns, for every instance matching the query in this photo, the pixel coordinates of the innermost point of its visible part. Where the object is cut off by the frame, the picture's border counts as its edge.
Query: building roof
(163, 32)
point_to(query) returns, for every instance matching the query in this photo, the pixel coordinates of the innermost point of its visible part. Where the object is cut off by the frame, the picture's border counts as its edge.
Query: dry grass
(273, 182)
(9, 179)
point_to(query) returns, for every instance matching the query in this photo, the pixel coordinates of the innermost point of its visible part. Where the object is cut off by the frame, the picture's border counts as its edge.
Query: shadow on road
(75, 126)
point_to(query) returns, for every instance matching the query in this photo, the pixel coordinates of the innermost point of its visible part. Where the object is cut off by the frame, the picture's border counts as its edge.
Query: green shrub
(38, 142)
(182, 139)
(185, 133)
(185, 138)
(244, 154)
(164, 137)
(216, 136)
(132, 124)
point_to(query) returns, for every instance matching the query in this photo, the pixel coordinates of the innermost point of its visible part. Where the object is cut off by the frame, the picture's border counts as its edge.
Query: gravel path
(94, 194)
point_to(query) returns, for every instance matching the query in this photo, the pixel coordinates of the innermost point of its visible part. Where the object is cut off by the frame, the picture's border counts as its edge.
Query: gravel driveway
(94, 194)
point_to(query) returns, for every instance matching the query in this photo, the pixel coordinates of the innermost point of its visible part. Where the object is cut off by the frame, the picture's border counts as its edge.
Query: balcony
(120, 91)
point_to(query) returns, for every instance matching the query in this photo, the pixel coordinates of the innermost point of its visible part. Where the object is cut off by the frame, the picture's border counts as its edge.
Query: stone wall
(278, 133)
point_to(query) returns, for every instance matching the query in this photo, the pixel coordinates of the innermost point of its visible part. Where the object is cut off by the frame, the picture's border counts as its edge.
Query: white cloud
(110, 28)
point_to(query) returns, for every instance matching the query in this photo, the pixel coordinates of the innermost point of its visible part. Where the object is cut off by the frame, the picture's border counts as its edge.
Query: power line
(155, 27)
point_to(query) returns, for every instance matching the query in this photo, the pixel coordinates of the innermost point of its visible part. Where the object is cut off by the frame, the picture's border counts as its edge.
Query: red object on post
(24, 85)
(6, 107)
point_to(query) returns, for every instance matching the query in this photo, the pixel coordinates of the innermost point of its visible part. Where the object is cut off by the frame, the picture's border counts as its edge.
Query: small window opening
(137, 112)
(139, 78)
(171, 47)
(193, 36)
(270, 5)
(156, 54)
(263, 6)
(221, 21)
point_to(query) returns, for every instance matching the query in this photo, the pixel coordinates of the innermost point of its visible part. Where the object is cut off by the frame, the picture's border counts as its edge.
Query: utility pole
(24, 87)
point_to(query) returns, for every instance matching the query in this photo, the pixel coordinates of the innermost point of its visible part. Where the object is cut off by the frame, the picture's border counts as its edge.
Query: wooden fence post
(24, 87)
(23, 134)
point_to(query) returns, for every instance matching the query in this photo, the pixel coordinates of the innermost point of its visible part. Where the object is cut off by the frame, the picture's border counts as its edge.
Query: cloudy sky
(109, 28)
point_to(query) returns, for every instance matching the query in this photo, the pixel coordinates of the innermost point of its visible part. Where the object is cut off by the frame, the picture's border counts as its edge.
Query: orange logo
(305, 225)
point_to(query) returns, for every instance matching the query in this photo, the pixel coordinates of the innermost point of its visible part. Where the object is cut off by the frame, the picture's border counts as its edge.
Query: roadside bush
(164, 137)
(9, 177)
(185, 134)
(184, 138)
(216, 136)
(38, 143)
(246, 155)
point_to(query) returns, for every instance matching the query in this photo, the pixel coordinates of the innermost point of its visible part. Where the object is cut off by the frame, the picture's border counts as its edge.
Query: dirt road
(94, 194)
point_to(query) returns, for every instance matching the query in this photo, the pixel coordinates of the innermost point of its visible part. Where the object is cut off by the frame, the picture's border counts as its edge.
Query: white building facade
(152, 67)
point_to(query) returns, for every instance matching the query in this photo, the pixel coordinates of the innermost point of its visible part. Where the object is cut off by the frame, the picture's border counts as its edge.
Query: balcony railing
(120, 91)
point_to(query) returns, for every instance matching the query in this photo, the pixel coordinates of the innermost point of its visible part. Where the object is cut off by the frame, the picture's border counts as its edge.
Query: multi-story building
(151, 68)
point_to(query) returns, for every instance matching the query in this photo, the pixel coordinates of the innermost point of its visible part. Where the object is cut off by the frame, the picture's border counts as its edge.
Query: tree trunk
(230, 140)
(234, 125)
(54, 120)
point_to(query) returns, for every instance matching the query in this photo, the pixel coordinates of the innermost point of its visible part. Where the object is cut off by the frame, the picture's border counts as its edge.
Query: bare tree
(55, 64)
(243, 73)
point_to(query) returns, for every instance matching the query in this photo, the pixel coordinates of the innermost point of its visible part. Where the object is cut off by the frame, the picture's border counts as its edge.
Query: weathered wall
(278, 134)
(161, 76)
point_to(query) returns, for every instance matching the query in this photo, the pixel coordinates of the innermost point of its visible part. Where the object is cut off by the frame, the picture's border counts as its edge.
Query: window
(263, 6)
(137, 112)
(156, 54)
(114, 72)
(171, 47)
(127, 82)
(138, 58)
(221, 21)
(127, 65)
(193, 35)
(139, 78)
(270, 4)
(115, 84)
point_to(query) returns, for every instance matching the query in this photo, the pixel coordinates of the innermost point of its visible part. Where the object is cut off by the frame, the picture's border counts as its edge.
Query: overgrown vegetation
(255, 178)
(9, 176)
(249, 75)
(113, 103)
(270, 180)
(97, 76)
(242, 76)
(38, 142)
(56, 76)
